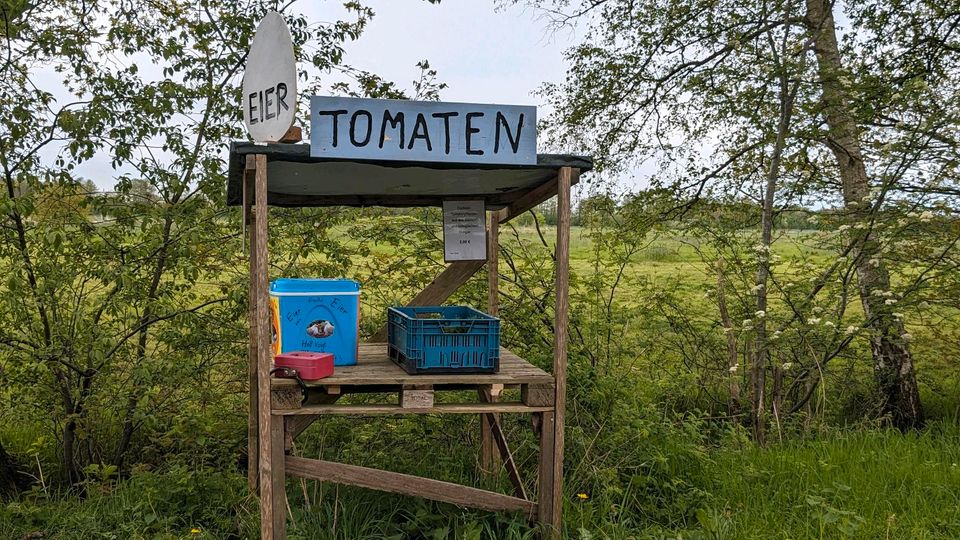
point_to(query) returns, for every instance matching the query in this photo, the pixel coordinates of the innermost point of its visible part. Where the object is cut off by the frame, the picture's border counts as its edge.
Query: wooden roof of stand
(297, 179)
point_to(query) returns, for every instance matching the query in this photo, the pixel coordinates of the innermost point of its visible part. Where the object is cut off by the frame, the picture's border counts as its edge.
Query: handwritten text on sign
(384, 129)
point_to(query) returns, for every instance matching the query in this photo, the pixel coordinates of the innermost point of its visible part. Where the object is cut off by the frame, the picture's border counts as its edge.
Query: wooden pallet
(376, 373)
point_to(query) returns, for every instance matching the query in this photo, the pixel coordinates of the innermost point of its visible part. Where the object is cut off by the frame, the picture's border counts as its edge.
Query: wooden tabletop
(374, 367)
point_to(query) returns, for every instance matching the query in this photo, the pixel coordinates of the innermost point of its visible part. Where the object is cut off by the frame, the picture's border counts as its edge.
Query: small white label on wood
(464, 231)
(269, 96)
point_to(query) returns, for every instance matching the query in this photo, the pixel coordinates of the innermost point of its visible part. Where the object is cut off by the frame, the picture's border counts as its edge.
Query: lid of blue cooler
(310, 285)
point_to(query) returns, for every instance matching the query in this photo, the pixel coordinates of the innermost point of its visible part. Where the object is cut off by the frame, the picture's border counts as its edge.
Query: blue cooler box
(318, 315)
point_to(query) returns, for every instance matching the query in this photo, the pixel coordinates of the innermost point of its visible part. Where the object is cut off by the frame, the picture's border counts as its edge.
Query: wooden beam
(488, 457)
(497, 430)
(438, 408)
(545, 483)
(262, 327)
(457, 273)
(493, 264)
(295, 425)
(565, 179)
(453, 276)
(278, 463)
(406, 484)
(253, 453)
(491, 393)
(529, 200)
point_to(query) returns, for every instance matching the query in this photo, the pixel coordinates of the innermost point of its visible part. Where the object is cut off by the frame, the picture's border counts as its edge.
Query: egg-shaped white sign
(270, 81)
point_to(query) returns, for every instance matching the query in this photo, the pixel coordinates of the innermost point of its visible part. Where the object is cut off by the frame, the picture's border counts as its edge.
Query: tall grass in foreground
(857, 484)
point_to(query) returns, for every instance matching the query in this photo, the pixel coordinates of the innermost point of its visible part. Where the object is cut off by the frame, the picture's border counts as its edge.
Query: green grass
(864, 484)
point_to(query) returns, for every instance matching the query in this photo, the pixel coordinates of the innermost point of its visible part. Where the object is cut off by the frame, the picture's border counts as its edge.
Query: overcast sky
(483, 54)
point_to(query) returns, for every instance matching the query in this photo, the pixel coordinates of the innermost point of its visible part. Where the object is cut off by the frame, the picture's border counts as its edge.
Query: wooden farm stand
(279, 411)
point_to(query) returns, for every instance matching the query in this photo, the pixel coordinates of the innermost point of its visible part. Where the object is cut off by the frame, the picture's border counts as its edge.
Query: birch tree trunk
(892, 360)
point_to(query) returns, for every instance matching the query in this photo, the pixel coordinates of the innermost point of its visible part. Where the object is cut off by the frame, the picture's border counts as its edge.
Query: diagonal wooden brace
(507, 456)
(459, 272)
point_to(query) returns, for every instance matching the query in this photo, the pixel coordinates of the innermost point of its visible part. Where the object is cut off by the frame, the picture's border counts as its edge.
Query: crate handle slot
(456, 327)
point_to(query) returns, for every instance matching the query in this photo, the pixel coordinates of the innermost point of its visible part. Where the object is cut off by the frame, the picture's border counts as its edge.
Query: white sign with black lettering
(464, 231)
(270, 81)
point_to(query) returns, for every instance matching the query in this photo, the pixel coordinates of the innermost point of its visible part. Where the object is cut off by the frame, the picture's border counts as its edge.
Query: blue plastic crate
(453, 339)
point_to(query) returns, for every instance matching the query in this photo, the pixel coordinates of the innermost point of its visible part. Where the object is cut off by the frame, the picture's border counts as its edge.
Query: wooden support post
(488, 454)
(565, 179)
(278, 458)
(493, 264)
(262, 334)
(253, 455)
(545, 483)
(501, 439)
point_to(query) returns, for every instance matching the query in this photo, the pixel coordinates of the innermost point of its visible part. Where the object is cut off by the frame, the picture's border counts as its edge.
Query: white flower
(906, 336)
(843, 228)
(787, 365)
(758, 287)
(829, 323)
(761, 314)
(776, 335)
(747, 322)
(890, 301)
(874, 262)
(734, 368)
(815, 320)
(851, 330)
(888, 293)
(898, 315)
(926, 215)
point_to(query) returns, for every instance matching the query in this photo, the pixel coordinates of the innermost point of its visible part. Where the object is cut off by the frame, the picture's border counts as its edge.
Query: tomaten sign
(395, 130)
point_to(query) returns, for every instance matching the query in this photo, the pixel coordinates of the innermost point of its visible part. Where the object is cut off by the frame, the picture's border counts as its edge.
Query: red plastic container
(311, 366)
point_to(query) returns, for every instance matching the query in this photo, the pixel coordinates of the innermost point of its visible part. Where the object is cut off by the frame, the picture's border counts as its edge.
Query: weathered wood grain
(565, 179)
(538, 395)
(545, 482)
(405, 484)
(374, 367)
(388, 409)
(253, 435)
(416, 397)
(262, 326)
(279, 523)
(513, 473)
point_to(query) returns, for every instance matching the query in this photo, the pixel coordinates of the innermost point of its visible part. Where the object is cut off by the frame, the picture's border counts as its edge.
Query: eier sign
(395, 130)
(270, 81)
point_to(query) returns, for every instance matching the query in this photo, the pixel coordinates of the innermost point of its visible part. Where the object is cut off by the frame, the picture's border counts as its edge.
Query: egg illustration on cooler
(320, 329)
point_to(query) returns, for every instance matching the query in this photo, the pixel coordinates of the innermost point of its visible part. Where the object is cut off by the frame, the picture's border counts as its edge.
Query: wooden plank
(295, 425)
(545, 483)
(438, 408)
(493, 264)
(406, 484)
(508, 462)
(416, 397)
(489, 393)
(374, 367)
(453, 276)
(278, 463)
(538, 395)
(260, 284)
(560, 337)
(253, 454)
(285, 397)
(529, 200)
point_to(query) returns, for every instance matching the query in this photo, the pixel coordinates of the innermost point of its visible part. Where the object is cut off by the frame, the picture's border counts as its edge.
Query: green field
(646, 457)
